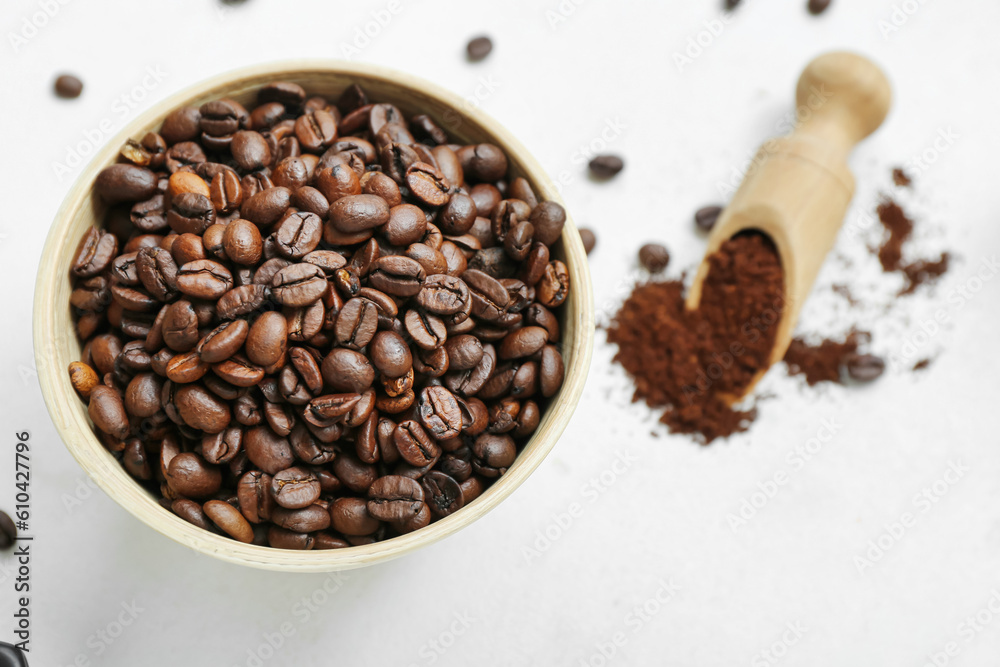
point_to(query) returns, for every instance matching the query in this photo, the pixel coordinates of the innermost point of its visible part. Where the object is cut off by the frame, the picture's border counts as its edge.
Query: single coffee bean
(107, 411)
(442, 492)
(483, 163)
(68, 86)
(298, 235)
(204, 279)
(551, 371)
(478, 48)
(865, 367)
(398, 276)
(125, 182)
(606, 166)
(415, 446)
(553, 288)
(250, 150)
(427, 184)
(242, 242)
(548, 219)
(254, 494)
(295, 488)
(439, 412)
(349, 516)
(267, 206)
(427, 331)
(200, 409)
(157, 271)
(240, 301)
(83, 378)
(189, 475)
(705, 218)
(346, 370)
(493, 454)
(654, 257)
(395, 498)
(523, 342)
(390, 354)
(96, 251)
(298, 285)
(358, 213)
(229, 519)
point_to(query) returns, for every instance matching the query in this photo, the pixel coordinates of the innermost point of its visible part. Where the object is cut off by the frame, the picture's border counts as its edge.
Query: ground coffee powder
(898, 230)
(824, 361)
(691, 363)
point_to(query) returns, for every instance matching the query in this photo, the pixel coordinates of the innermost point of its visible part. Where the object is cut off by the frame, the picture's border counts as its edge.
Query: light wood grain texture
(799, 187)
(56, 345)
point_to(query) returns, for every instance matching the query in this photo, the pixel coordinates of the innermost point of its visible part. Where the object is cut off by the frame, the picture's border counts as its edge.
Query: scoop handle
(799, 186)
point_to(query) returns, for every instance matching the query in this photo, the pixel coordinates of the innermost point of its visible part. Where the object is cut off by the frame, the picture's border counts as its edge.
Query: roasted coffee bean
(190, 213)
(477, 49)
(523, 342)
(654, 257)
(295, 488)
(356, 475)
(267, 450)
(356, 324)
(186, 367)
(414, 444)
(241, 300)
(316, 130)
(443, 494)
(222, 447)
(493, 454)
(242, 242)
(390, 354)
(346, 370)
(229, 519)
(606, 166)
(305, 323)
(142, 396)
(290, 95)
(349, 516)
(395, 498)
(298, 235)
(588, 238)
(125, 182)
(338, 181)
(486, 196)
(483, 163)
(107, 411)
(464, 352)
(357, 213)
(254, 493)
(150, 215)
(267, 339)
(200, 409)
(96, 251)
(397, 276)
(407, 224)
(83, 378)
(204, 279)
(157, 271)
(865, 367)
(548, 219)
(439, 412)
(553, 288)
(191, 512)
(267, 206)
(551, 371)
(68, 86)
(427, 331)
(190, 476)
(469, 382)
(427, 184)
(298, 285)
(705, 218)
(250, 150)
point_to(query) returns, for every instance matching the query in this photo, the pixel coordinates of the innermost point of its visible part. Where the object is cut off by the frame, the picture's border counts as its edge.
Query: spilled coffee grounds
(690, 362)
(824, 361)
(898, 230)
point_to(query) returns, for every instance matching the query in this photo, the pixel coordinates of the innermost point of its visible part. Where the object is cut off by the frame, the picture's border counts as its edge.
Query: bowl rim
(75, 430)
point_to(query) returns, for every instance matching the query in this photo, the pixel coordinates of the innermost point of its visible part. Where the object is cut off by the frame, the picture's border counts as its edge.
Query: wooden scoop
(799, 186)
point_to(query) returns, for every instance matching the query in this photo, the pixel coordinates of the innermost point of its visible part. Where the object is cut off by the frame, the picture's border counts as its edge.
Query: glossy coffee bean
(395, 498)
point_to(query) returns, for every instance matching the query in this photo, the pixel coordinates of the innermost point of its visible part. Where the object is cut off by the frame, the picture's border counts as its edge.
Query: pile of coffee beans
(312, 324)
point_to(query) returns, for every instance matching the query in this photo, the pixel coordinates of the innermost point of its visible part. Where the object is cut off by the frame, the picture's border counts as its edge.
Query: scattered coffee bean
(705, 218)
(606, 166)
(654, 257)
(8, 531)
(308, 317)
(865, 367)
(68, 86)
(589, 239)
(817, 7)
(479, 47)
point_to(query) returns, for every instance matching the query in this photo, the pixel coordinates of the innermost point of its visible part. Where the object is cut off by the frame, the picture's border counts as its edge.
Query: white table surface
(659, 526)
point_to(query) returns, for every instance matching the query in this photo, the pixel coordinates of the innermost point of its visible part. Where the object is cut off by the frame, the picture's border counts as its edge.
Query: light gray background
(658, 525)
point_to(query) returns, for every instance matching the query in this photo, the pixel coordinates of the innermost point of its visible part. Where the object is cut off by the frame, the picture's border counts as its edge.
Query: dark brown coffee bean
(189, 475)
(241, 300)
(290, 95)
(316, 130)
(295, 488)
(606, 166)
(142, 396)
(150, 215)
(125, 182)
(553, 288)
(427, 184)
(493, 454)
(469, 382)
(588, 238)
(250, 150)
(298, 285)
(395, 498)
(107, 411)
(267, 450)
(229, 519)
(222, 447)
(267, 206)
(427, 331)
(204, 279)
(242, 242)
(439, 412)
(345, 370)
(338, 181)
(397, 276)
(464, 352)
(357, 213)
(356, 324)
(523, 342)
(157, 271)
(311, 200)
(324, 410)
(298, 235)
(225, 191)
(390, 354)
(407, 224)
(349, 516)
(414, 445)
(478, 48)
(186, 367)
(200, 409)
(654, 257)
(548, 219)
(68, 86)
(254, 493)
(96, 251)
(483, 163)
(551, 371)
(442, 492)
(865, 367)
(705, 218)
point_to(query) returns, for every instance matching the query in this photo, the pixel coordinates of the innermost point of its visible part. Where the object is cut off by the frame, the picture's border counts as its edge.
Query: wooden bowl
(56, 345)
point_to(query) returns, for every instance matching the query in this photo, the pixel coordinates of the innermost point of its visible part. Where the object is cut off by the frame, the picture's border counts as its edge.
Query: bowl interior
(56, 345)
